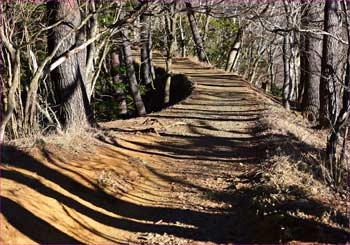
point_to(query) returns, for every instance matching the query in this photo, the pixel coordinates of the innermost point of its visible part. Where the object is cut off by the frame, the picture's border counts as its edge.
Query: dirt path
(182, 178)
(203, 144)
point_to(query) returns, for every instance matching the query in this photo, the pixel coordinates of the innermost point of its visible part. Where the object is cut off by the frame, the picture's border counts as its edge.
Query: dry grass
(75, 140)
(115, 183)
(294, 166)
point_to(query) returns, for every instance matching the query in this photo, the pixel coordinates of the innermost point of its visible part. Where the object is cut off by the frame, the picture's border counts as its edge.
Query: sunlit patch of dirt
(58, 193)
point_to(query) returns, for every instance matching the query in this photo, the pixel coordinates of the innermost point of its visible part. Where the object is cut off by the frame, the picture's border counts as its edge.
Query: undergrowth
(292, 176)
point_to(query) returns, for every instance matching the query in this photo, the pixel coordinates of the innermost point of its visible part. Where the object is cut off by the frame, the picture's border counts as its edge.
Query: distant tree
(118, 81)
(170, 26)
(207, 21)
(288, 80)
(195, 32)
(8, 103)
(131, 74)
(234, 52)
(150, 49)
(145, 36)
(182, 37)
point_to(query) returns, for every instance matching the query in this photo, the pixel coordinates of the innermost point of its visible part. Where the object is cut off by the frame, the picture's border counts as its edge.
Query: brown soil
(182, 175)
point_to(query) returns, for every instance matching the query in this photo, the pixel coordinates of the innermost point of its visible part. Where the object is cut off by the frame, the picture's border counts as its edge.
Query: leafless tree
(337, 140)
(311, 48)
(329, 93)
(170, 26)
(118, 79)
(195, 32)
(131, 73)
(146, 69)
(69, 78)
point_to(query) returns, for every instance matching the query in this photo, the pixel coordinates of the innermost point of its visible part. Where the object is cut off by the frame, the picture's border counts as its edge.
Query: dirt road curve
(204, 144)
(178, 176)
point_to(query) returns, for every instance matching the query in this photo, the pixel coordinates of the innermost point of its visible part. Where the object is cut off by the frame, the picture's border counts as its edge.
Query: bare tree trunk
(255, 66)
(328, 92)
(334, 164)
(2, 132)
(195, 32)
(235, 48)
(295, 64)
(145, 64)
(150, 49)
(310, 62)
(117, 80)
(271, 70)
(287, 83)
(15, 82)
(170, 24)
(136, 31)
(91, 51)
(140, 107)
(206, 26)
(68, 78)
(2, 107)
(182, 38)
(176, 46)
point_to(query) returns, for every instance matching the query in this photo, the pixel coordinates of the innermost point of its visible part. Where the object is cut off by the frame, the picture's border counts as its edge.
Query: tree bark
(333, 164)
(118, 79)
(150, 49)
(134, 87)
(233, 55)
(195, 32)
(146, 75)
(1, 85)
(288, 81)
(330, 60)
(170, 23)
(69, 77)
(182, 38)
(311, 49)
(91, 51)
(15, 83)
(271, 70)
(206, 27)
(295, 64)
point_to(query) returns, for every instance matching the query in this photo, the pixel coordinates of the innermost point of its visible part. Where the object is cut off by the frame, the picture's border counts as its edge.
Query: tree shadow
(32, 226)
(215, 227)
(251, 150)
(278, 224)
(243, 223)
(19, 159)
(102, 218)
(284, 227)
(289, 145)
(200, 148)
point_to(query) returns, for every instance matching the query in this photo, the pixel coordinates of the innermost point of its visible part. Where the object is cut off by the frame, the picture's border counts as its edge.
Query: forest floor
(225, 165)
